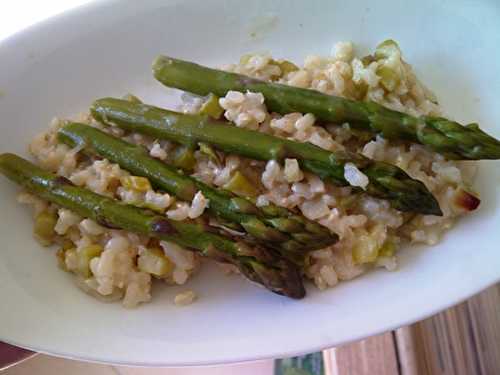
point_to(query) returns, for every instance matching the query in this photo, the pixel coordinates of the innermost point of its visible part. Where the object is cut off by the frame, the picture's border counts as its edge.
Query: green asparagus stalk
(385, 181)
(450, 138)
(258, 264)
(281, 229)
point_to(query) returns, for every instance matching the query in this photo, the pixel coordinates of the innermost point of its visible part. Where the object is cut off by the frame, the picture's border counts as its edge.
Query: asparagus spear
(256, 263)
(450, 138)
(385, 181)
(281, 229)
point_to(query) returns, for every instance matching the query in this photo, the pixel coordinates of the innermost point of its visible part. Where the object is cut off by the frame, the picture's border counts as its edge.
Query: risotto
(118, 265)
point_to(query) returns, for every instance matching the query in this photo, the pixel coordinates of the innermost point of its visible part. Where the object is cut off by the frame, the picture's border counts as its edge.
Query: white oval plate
(59, 66)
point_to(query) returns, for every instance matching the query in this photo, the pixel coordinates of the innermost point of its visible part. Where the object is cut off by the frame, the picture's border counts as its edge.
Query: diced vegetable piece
(239, 185)
(367, 60)
(386, 49)
(286, 66)
(155, 262)
(389, 78)
(136, 183)
(67, 244)
(84, 257)
(184, 158)
(365, 250)
(44, 227)
(388, 249)
(211, 107)
(209, 151)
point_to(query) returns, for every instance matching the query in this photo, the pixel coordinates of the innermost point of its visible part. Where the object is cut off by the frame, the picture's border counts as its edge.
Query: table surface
(462, 340)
